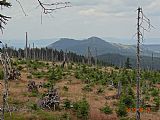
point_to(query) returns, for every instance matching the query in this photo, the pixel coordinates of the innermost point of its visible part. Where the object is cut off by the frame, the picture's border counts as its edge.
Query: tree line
(46, 54)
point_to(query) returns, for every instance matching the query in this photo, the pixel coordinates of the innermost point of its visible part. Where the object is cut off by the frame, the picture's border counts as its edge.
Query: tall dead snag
(64, 58)
(26, 48)
(34, 53)
(29, 52)
(5, 60)
(119, 88)
(96, 57)
(152, 62)
(89, 56)
(140, 30)
(52, 55)
(138, 66)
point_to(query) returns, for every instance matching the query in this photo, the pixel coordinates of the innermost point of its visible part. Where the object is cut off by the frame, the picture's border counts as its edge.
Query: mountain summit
(102, 46)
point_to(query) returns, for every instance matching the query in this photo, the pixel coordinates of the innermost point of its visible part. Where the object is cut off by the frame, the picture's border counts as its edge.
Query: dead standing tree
(140, 35)
(96, 57)
(89, 56)
(5, 60)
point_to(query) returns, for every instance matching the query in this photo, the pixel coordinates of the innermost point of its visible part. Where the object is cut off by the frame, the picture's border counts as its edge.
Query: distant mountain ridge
(119, 60)
(102, 46)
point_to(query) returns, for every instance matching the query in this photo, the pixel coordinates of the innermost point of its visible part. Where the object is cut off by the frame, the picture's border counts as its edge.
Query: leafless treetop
(50, 7)
(47, 8)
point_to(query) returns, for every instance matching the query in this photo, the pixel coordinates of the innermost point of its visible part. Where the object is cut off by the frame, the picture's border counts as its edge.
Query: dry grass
(19, 96)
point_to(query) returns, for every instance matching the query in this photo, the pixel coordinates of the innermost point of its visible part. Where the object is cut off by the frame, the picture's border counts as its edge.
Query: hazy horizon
(102, 18)
(45, 42)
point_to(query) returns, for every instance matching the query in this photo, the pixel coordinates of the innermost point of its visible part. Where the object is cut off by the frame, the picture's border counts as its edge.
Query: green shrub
(130, 92)
(40, 74)
(1, 74)
(100, 90)
(34, 107)
(121, 111)
(20, 68)
(21, 62)
(154, 92)
(147, 97)
(47, 85)
(36, 64)
(87, 88)
(33, 94)
(106, 110)
(103, 81)
(128, 101)
(157, 101)
(56, 74)
(82, 109)
(67, 104)
(65, 88)
(78, 75)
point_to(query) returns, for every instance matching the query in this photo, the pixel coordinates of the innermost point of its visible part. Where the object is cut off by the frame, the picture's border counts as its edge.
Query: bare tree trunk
(138, 66)
(96, 57)
(42, 56)
(89, 56)
(119, 88)
(29, 52)
(152, 63)
(52, 56)
(34, 53)
(26, 48)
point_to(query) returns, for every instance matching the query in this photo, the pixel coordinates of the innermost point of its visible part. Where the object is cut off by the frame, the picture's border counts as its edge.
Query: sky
(86, 18)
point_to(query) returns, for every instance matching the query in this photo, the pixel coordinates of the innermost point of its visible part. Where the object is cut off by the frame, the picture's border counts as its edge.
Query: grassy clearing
(76, 82)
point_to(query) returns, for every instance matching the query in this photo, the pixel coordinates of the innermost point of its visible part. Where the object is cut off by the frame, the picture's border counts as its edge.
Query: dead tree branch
(47, 8)
(4, 3)
(3, 21)
(21, 7)
(3, 18)
(50, 7)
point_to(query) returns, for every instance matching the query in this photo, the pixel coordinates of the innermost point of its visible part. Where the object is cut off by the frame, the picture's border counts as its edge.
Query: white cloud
(91, 12)
(115, 18)
(124, 7)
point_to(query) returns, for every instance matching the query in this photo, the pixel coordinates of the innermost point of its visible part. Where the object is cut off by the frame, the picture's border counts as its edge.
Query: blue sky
(86, 18)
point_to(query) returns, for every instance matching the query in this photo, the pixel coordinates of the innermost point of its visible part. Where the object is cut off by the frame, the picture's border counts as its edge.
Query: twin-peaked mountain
(111, 53)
